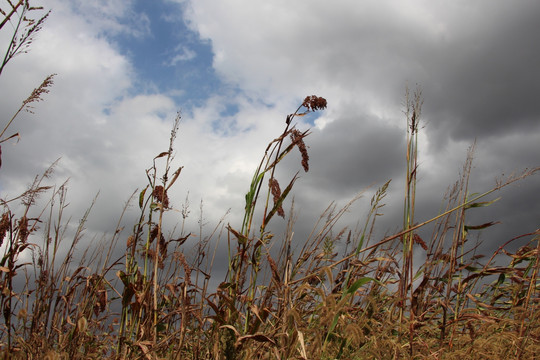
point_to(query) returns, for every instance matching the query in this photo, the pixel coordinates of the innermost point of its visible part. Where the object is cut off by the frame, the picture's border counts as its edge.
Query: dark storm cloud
(484, 80)
(476, 64)
(351, 153)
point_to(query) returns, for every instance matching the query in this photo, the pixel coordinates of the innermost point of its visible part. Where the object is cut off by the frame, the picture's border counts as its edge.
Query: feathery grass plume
(20, 43)
(35, 96)
(25, 27)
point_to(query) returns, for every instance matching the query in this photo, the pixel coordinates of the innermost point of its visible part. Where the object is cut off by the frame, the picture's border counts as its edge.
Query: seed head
(276, 193)
(297, 138)
(5, 224)
(314, 103)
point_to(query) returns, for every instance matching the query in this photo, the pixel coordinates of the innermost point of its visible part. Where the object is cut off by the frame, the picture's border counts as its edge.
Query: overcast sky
(236, 68)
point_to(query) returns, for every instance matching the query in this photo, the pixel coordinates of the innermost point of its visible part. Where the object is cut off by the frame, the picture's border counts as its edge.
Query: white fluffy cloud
(105, 124)
(88, 119)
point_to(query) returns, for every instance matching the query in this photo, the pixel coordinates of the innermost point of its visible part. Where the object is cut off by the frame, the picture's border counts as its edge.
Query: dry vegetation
(369, 301)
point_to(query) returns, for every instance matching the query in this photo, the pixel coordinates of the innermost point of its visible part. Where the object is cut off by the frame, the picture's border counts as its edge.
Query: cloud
(182, 54)
(368, 52)
(475, 68)
(89, 119)
(474, 61)
(108, 17)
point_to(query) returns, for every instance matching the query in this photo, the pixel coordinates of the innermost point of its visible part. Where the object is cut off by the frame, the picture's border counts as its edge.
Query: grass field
(375, 300)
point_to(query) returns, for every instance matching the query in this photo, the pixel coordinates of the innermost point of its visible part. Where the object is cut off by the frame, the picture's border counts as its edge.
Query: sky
(236, 68)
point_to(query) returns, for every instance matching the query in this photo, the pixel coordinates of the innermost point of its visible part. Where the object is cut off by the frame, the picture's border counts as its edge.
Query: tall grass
(367, 301)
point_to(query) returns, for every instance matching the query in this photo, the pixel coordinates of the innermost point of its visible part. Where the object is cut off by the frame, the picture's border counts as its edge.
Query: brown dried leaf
(165, 153)
(256, 337)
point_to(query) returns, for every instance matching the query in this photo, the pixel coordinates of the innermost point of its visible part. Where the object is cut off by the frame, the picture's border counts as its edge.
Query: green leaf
(252, 190)
(356, 285)
(351, 290)
(141, 197)
(330, 334)
(482, 203)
